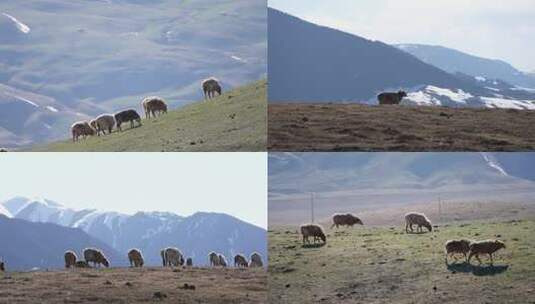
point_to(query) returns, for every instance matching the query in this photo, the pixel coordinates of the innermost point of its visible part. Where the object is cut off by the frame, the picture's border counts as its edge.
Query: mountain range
(62, 61)
(312, 63)
(195, 235)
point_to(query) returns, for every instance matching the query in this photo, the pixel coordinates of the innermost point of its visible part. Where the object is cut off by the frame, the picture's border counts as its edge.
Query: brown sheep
(457, 246)
(211, 86)
(135, 258)
(256, 260)
(414, 218)
(81, 128)
(240, 261)
(96, 256)
(485, 247)
(391, 98)
(70, 258)
(153, 105)
(347, 219)
(103, 123)
(173, 257)
(213, 258)
(313, 230)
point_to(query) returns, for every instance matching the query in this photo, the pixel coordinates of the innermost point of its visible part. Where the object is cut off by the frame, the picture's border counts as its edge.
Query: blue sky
(183, 183)
(496, 29)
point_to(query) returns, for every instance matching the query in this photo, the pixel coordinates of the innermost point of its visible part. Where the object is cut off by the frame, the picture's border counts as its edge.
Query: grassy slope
(356, 127)
(385, 265)
(123, 285)
(202, 126)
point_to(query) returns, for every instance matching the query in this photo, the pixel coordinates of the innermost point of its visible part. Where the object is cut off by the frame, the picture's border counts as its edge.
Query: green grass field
(386, 265)
(235, 121)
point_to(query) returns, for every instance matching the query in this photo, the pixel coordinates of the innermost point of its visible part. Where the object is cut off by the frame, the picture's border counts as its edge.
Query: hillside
(383, 264)
(235, 121)
(125, 285)
(357, 127)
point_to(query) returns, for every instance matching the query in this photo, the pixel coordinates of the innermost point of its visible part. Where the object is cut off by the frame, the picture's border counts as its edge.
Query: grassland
(383, 264)
(234, 121)
(125, 285)
(357, 127)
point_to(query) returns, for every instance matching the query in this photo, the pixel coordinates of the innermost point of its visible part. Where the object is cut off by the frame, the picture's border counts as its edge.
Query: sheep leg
(406, 227)
(491, 260)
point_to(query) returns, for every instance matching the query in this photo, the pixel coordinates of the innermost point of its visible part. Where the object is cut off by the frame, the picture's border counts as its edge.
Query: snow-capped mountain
(195, 235)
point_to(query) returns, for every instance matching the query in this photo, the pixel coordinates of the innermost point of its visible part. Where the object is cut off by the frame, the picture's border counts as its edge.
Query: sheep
(312, 230)
(103, 123)
(153, 105)
(457, 246)
(70, 258)
(2, 266)
(81, 128)
(96, 256)
(485, 247)
(414, 218)
(391, 98)
(256, 260)
(135, 258)
(240, 261)
(81, 264)
(173, 257)
(213, 258)
(3, 150)
(211, 86)
(222, 260)
(347, 219)
(129, 115)
(189, 262)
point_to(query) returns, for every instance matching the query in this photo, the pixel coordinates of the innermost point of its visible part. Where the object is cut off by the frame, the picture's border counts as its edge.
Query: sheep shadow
(477, 270)
(315, 245)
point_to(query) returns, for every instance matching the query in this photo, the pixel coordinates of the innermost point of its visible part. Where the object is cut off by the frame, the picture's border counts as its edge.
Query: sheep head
(499, 244)
(428, 226)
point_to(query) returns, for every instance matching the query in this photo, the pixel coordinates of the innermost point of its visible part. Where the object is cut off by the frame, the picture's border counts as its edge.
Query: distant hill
(235, 121)
(27, 245)
(195, 235)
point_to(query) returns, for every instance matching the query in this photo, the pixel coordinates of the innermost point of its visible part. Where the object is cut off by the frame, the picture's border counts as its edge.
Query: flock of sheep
(152, 106)
(468, 248)
(171, 257)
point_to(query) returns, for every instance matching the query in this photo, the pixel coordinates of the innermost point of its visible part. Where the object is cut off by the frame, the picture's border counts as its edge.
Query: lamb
(414, 218)
(222, 261)
(81, 128)
(129, 115)
(70, 258)
(313, 230)
(96, 256)
(457, 246)
(103, 123)
(189, 262)
(173, 257)
(256, 260)
(347, 219)
(211, 86)
(135, 257)
(153, 105)
(485, 247)
(391, 98)
(214, 259)
(240, 261)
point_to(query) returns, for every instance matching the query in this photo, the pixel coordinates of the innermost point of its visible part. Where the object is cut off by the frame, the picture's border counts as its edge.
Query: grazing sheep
(103, 123)
(3, 150)
(211, 86)
(81, 128)
(189, 262)
(96, 256)
(222, 260)
(347, 219)
(153, 105)
(457, 246)
(135, 257)
(312, 230)
(173, 257)
(213, 258)
(391, 98)
(129, 115)
(81, 264)
(70, 258)
(485, 247)
(414, 218)
(240, 261)
(256, 260)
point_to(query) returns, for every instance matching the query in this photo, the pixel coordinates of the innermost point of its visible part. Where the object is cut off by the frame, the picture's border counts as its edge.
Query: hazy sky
(183, 183)
(496, 29)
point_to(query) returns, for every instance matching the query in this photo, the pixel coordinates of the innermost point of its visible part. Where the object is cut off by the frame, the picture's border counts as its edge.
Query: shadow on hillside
(478, 270)
(318, 245)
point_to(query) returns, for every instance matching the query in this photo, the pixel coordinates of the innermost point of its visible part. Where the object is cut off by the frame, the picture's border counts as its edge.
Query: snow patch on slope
(493, 163)
(21, 26)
